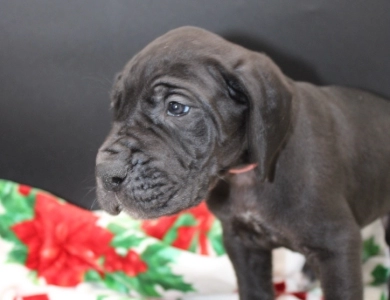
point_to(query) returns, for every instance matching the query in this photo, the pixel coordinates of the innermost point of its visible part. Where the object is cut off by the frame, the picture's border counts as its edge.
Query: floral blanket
(50, 249)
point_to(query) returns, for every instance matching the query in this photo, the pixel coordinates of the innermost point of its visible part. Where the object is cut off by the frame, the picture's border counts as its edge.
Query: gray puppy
(191, 107)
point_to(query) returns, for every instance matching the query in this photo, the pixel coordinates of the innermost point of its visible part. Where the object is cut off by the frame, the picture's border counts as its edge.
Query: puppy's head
(187, 108)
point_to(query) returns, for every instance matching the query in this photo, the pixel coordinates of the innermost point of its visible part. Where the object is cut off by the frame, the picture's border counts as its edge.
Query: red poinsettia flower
(185, 234)
(131, 264)
(34, 297)
(24, 189)
(63, 241)
(204, 221)
(159, 227)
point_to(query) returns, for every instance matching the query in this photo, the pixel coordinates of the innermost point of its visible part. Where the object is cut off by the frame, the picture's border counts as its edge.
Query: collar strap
(243, 169)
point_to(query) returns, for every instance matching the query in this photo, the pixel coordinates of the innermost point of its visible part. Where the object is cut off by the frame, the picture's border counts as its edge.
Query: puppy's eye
(177, 109)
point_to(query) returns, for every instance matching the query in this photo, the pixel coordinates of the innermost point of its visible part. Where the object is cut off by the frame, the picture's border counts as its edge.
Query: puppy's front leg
(338, 258)
(253, 268)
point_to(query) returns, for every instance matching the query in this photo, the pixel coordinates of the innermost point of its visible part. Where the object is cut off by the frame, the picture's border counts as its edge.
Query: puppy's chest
(254, 231)
(250, 220)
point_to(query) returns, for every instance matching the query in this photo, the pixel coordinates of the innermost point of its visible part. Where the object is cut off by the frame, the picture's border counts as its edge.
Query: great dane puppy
(191, 110)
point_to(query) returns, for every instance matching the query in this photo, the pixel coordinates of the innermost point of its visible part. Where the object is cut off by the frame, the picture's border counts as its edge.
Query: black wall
(58, 59)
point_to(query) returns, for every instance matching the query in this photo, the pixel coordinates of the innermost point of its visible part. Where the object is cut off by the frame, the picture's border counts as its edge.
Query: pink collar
(243, 170)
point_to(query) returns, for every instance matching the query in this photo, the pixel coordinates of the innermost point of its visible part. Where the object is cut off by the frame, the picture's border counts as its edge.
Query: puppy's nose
(112, 175)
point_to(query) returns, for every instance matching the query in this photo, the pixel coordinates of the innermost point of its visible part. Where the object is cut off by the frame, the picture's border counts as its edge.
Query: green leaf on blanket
(17, 207)
(383, 297)
(115, 228)
(194, 243)
(144, 287)
(215, 238)
(117, 282)
(127, 240)
(5, 187)
(380, 275)
(370, 248)
(159, 258)
(114, 281)
(18, 254)
(92, 275)
(122, 224)
(120, 282)
(6, 221)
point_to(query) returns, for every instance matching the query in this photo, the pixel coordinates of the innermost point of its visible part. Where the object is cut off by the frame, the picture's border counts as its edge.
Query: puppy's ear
(269, 95)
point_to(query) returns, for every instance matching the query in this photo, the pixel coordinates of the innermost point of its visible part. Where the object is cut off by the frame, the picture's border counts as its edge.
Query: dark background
(58, 59)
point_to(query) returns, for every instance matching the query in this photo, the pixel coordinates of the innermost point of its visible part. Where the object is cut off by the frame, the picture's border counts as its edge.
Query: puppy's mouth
(116, 203)
(150, 200)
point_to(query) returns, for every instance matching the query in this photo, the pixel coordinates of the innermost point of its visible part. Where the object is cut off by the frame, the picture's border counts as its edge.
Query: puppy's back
(350, 131)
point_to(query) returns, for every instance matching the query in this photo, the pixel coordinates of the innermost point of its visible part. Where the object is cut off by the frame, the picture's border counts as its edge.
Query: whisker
(93, 203)
(90, 190)
(88, 179)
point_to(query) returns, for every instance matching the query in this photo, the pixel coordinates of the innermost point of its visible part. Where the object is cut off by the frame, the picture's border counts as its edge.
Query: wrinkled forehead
(182, 53)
